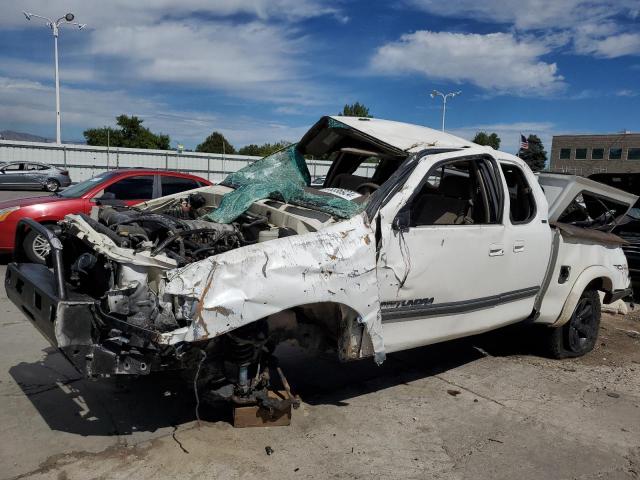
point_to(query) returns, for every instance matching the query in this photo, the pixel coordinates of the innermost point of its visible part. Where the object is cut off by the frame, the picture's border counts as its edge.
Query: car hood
(26, 202)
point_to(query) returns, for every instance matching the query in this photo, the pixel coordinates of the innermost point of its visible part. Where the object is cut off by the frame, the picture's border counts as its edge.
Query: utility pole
(55, 28)
(436, 93)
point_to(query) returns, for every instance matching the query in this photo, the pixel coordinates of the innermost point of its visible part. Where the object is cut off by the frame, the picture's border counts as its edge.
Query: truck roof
(404, 136)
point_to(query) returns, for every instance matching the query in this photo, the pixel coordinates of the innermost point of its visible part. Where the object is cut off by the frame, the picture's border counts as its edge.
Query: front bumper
(65, 323)
(73, 322)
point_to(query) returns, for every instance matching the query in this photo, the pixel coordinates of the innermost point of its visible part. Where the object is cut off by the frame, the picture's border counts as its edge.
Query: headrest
(455, 186)
(510, 177)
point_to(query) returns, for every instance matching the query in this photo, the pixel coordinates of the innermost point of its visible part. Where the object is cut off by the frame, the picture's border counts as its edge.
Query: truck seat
(449, 205)
(348, 181)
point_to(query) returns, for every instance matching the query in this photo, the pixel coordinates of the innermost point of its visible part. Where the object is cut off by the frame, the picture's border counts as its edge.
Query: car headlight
(5, 212)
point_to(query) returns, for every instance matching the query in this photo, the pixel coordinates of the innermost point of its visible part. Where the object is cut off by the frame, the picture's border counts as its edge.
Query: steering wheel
(367, 188)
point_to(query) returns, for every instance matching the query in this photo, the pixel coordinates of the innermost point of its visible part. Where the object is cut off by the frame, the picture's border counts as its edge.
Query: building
(587, 154)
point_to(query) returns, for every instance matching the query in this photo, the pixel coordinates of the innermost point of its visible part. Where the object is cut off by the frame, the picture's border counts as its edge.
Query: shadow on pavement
(106, 406)
(324, 380)
(123, 406)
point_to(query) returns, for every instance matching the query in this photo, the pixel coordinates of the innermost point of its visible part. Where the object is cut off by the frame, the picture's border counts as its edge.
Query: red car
(126, 187)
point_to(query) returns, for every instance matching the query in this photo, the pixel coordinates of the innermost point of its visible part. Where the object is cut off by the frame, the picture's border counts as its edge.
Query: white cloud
(497, 61)
(531, 14)
(248, 48)
(610, 46)
(627, 92)
(30, 102)
(106, 14)
(603, 28)
(252, 59)
(44, 71)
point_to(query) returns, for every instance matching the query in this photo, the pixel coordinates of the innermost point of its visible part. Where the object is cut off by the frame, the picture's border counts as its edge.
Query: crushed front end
(133, 291)
(101, 301)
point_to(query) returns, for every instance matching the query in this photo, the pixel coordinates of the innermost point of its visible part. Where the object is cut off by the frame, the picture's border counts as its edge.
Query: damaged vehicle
(443, 240)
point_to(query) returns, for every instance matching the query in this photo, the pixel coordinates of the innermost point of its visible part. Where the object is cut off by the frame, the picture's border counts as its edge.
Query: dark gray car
(33, 175)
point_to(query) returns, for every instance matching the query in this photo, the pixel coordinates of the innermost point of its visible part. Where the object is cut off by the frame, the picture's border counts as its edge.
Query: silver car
(33, 175)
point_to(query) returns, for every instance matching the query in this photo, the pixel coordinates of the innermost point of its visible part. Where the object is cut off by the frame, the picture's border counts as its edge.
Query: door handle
(518, 246)
(496, 250)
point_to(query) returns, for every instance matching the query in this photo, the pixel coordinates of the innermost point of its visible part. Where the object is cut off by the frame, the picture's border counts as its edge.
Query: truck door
(528, 237)
(445, 267)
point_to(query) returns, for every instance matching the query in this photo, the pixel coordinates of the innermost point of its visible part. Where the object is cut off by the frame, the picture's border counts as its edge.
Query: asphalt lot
(487, 407)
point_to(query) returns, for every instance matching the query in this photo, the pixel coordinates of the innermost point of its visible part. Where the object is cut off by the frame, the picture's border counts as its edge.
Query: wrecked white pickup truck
(444, 239)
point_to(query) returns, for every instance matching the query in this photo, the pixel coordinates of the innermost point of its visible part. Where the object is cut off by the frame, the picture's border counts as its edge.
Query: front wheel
(36, 247)
(52, 185)
(578, 336)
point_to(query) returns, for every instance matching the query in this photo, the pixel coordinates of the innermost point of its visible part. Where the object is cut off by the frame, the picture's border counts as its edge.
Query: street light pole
(55, 29)
(436, 93)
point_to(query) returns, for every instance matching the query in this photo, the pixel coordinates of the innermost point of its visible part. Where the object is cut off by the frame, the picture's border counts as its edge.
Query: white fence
(85, 161)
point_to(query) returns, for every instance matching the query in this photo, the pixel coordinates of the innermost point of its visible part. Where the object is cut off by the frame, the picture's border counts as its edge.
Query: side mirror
(402, 221)
(107, 196)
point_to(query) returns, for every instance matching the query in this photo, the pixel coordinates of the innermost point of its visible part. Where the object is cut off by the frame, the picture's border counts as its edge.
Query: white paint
(336, 264)
(404, 136)
(452, 263)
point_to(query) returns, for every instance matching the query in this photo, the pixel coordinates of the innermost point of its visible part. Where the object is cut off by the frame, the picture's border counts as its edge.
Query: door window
(521, 199)
(171, 185)
(13, 167)
(462, 192)
(32, 167)
(132, 188)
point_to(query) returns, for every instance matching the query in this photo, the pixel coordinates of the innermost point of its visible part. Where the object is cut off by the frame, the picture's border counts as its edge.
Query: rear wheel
(36, 247)
(52, 185)
(579, 335)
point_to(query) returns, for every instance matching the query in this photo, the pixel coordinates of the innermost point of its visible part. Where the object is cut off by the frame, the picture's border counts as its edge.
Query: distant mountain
(28, 137)
(22, 137)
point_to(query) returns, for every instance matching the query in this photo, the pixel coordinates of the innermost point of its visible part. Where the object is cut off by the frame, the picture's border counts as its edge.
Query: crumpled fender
(238, 287)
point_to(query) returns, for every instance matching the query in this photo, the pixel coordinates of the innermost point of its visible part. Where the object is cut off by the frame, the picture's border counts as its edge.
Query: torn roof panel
(403, 136)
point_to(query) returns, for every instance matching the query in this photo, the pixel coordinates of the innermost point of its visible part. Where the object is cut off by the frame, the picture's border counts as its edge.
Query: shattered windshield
(280, 176)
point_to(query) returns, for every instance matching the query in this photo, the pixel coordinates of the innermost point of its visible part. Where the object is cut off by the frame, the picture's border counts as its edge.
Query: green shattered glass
(280, 176)
(333, 123)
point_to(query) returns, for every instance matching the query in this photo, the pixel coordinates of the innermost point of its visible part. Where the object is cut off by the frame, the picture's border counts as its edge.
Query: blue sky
(265, 70)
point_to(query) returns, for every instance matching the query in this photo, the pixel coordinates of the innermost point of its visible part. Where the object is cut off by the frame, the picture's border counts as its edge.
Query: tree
(264, 149)
(131, 134)
(535, 155)
(355, 110)
(216, 143)
(492, 140)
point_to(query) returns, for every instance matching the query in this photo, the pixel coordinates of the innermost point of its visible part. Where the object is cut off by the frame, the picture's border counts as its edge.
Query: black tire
(52, 185)
(36, 247)
(579, 335)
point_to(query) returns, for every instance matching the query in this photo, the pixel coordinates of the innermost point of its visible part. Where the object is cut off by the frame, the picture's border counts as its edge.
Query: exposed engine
(124, 277)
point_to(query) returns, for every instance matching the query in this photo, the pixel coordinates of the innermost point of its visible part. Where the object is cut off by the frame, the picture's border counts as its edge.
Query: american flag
(524, 143)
